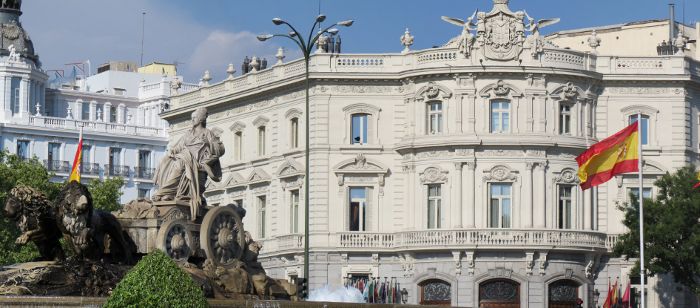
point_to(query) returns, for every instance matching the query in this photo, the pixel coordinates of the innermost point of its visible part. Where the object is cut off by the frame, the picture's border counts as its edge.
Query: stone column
(471, 120)
(587, 210)
(410, 105)
(413, 204)
(106, 112)
(457, 202)
(93, 111)
(540, 207)
(458, 110)
(121, 114)
(528, 209)
(470, 195)
(541, 114)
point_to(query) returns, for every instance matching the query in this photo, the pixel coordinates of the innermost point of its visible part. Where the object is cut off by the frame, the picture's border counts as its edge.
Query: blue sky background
(209, 34)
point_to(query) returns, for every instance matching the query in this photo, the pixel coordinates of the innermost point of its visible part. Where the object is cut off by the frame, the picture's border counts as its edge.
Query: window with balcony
(115, 161)
(53, 157)
(144, 170)
(358, 209)
(262, 216)
(85, 111)
(294, 133)
(500, 205)
(435, 215)
(14, 94)
(86, 165)
(435, 118)
(23, 149)
(112, 114)
(564, 119)
(294, 211)
(238, 145)
(565, 207)
(644, 127)
(500, 117)
(359, 128)
(261, 141)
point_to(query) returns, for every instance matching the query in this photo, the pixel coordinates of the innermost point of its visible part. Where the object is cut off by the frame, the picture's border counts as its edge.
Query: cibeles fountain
(210, 243)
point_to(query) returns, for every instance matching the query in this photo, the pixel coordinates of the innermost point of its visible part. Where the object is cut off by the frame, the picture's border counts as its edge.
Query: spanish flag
(697, 177)
(75, 171)
(616, 154)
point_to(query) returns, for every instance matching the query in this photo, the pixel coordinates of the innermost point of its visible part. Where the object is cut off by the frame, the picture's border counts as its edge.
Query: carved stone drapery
(433, 175)
(433, 91)
(567, 176)
(500, 89)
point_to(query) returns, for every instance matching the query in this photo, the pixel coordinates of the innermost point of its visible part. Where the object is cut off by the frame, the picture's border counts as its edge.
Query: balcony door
(499, 293)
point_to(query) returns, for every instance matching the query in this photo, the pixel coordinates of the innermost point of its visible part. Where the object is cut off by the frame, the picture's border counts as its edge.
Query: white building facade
(451, 169)
(118, 111)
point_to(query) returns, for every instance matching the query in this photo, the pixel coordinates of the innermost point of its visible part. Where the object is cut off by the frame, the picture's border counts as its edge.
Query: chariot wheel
(175, 240)
(222, 236)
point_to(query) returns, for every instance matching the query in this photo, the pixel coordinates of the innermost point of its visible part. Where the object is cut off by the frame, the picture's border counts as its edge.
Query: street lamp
(306, 47)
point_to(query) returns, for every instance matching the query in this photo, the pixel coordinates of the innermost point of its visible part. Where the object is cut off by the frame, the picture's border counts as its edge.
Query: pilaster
(469, 199)
(458, 203)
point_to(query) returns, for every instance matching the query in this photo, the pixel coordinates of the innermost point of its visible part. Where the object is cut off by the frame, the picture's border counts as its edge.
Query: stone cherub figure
(466, 38)
(182, 174)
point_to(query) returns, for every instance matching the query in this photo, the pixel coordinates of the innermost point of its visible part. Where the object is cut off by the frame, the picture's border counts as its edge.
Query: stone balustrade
(96, 126)
(516, 239)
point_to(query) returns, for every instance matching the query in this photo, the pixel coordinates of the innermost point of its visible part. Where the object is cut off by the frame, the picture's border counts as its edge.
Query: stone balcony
(437, 240)
(95, 126)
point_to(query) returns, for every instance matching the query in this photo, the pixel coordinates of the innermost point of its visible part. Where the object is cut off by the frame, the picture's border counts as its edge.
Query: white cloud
(220, 48)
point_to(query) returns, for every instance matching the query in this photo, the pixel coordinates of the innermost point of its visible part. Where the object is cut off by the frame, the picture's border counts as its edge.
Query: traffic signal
(302, 288)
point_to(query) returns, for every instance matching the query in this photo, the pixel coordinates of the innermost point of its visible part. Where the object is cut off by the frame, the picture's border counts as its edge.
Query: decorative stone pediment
(567, 176)
(260, 121)
(237, 127)
(293, 113)
(501, 173)
(234, 180)
(360, 164)
(361, 108)
(500, 89)
(568, 92)
(433, 175)
(652, 167)
(290, 168)
(433, 91)
(258, 176)
(212, 186)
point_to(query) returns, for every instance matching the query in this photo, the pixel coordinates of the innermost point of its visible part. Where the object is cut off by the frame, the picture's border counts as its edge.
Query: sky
(209, 34)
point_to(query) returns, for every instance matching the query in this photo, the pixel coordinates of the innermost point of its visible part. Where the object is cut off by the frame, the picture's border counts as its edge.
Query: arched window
(563, 294)
(435, 292)
(499, 293)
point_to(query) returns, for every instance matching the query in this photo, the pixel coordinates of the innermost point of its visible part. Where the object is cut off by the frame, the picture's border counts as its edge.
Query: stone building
(452, 169)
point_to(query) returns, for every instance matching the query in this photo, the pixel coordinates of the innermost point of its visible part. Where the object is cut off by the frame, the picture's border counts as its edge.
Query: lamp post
(306, 47)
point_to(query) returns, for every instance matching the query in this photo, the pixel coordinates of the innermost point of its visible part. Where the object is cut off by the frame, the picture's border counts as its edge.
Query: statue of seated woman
(183, 172)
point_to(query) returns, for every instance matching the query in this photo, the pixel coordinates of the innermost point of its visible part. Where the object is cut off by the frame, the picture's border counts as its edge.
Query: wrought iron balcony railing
(116, 170)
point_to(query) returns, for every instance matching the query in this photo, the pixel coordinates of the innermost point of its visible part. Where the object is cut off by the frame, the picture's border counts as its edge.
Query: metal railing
(116, 170)
(56, 165)
(144, 173)
(90, 168)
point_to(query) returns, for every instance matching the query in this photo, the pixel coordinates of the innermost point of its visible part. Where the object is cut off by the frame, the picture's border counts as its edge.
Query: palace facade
(452, 169)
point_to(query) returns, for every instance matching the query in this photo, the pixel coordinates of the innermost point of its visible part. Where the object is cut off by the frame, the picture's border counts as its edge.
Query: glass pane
(495, 213)
(494, 121)
(358, 193)
(363, 120)
(431, 214)
(438, 212)
(505, 126)
(506, 213)
(354, 216)
(356, 123)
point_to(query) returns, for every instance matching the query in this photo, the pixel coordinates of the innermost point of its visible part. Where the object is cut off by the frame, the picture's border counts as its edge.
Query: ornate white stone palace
(452, 168)
(124, 135)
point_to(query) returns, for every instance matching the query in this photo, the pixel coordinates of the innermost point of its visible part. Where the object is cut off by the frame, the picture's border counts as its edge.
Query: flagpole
(641, 209)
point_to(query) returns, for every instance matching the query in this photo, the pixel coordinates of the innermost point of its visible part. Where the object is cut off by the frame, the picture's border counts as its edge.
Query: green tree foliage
(106, 194)
(13, 172)
(156, 281)
(671, 229)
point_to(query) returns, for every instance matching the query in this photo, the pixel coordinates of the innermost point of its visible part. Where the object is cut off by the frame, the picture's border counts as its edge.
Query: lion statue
(35, 218)
(90, 233)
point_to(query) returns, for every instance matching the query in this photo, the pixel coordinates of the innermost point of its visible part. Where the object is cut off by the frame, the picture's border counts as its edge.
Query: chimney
(671, 22)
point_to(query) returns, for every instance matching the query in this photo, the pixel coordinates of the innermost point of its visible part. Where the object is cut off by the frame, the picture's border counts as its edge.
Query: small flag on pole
(616, 154)
(75, 170)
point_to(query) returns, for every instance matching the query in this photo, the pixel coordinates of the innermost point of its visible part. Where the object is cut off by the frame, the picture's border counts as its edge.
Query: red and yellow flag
(75, 171)
(697, 177)
(616, 154)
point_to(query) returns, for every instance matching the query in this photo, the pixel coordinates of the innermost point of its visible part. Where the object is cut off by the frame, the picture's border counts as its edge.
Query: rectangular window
(359, 129)
(294, 209)
(14, 94)
(144, 193)
(500, 117)
(144, 159)
(23, 149)
(115, 156)
(435, 215)
(237, 145)
(86, 160)
(53, 157)
(644, 127)
(262, 219)
(261, 141)
(500, 205)
(435, 118)
(294, 133)
(565, 206)
(635, 191)
(112, 114)
(85, 112)
(564, 119)
(358, 208)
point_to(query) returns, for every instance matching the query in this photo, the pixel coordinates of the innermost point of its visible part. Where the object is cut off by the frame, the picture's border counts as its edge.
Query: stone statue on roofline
(182, 174)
